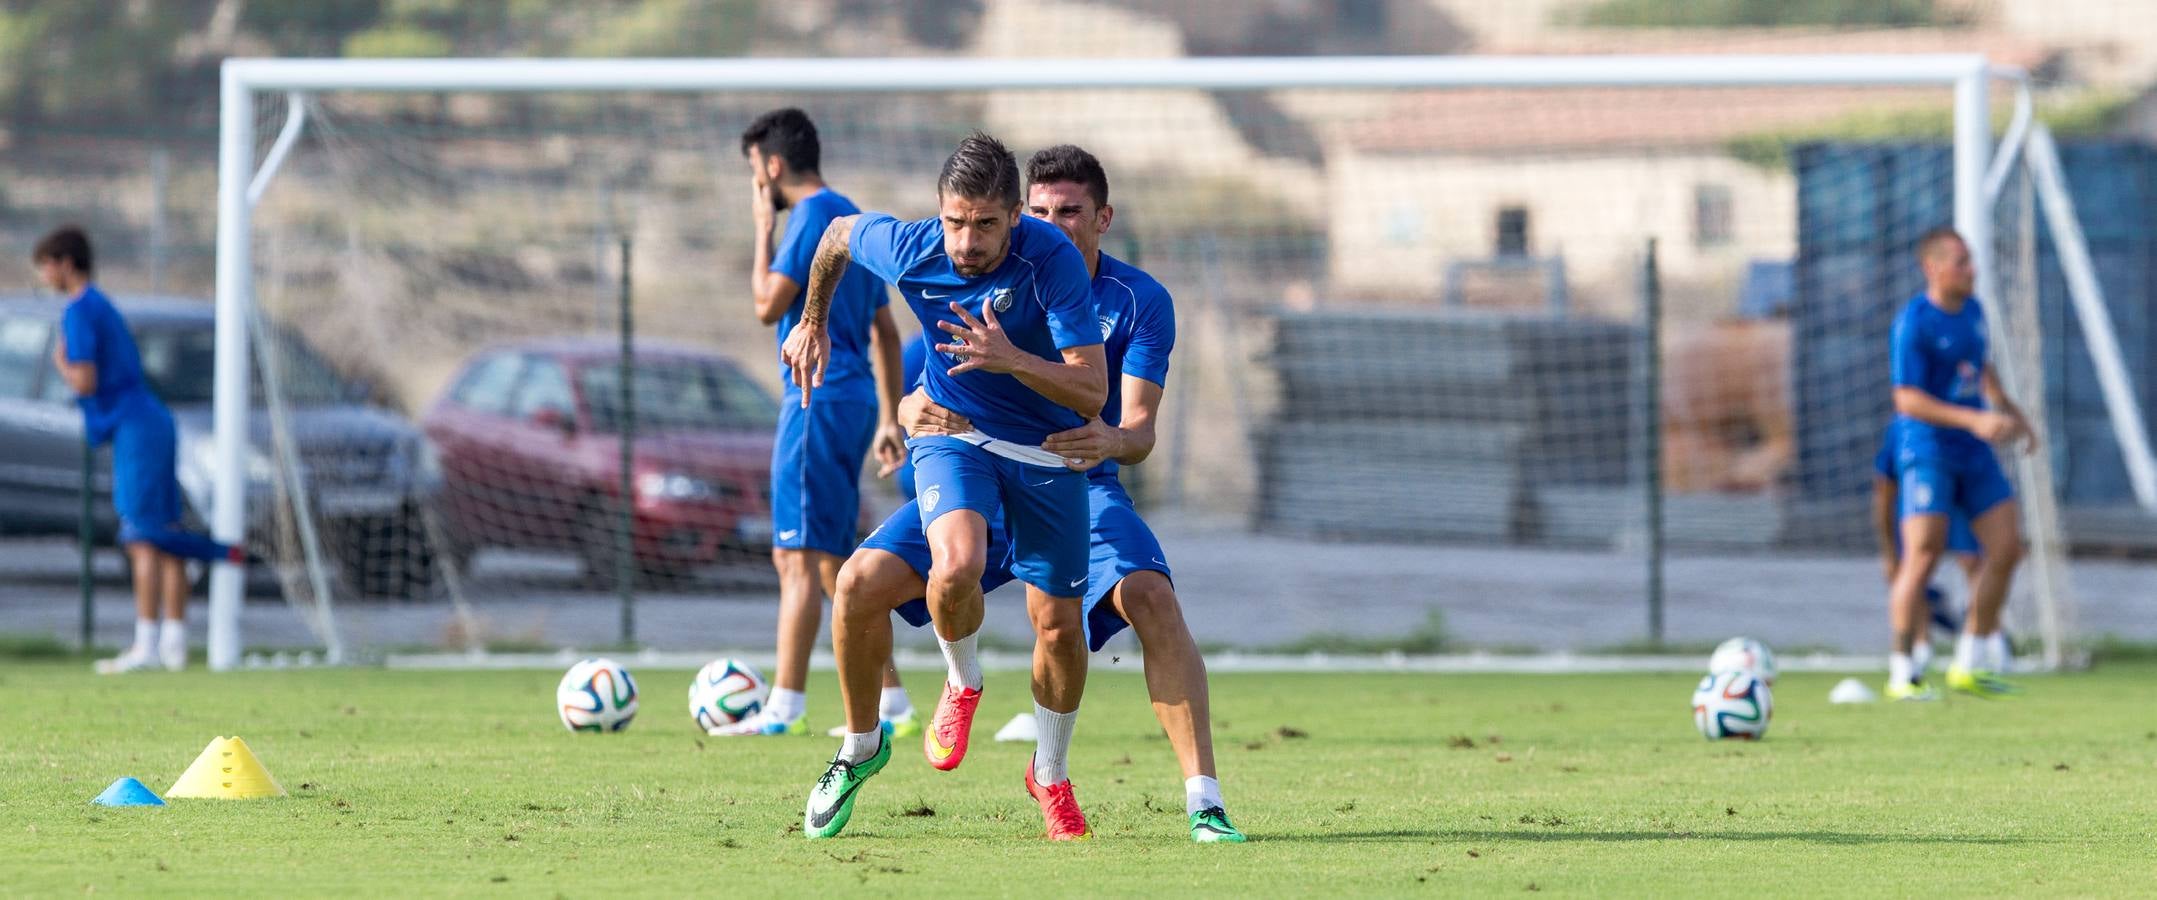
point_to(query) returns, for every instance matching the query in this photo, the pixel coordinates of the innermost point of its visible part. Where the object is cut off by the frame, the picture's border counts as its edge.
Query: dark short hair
(67, 242)
(1931, 240)
(787, 134)
(1066, 162)
(982, 168)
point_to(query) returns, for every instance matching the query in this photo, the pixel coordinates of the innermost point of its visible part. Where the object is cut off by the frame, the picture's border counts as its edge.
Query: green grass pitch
(1398, 785)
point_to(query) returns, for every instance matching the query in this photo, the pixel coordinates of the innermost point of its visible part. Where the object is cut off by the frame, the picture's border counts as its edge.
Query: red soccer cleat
(1058, 808)
(944, 742)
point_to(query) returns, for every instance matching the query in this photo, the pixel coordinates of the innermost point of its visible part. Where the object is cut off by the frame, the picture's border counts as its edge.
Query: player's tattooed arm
(808, 346)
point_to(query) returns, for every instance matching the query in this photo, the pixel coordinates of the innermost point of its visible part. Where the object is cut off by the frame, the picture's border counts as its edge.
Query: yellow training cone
(226, 770)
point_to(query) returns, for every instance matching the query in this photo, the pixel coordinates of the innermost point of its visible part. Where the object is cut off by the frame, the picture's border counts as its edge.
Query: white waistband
(1020, 452)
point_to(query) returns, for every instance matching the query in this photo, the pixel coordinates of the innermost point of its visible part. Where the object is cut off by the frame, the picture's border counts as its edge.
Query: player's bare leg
(172, 632)
(149, 585)
(1924, 541)
(1999, 538)
(861, 630)
(805, 576)
(958, 548)
(1176, 681)
(1059, 684)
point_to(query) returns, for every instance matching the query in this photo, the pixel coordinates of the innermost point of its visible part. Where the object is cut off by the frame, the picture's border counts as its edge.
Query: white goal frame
(241, 181)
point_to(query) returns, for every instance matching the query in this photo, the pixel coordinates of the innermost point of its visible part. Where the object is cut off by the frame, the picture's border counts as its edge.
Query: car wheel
(596, 543)
(388, 558)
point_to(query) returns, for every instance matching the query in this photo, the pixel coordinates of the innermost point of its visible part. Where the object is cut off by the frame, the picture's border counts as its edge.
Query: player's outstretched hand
(980, 343)
(2004, 429)
(1086, 446)
(890, 448)
(805, 352)
(920, 415)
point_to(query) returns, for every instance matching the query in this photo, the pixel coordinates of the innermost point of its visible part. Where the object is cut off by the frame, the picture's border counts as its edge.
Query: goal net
(1419, 399)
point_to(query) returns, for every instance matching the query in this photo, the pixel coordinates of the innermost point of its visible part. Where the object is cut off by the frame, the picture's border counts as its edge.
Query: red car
(529, 435)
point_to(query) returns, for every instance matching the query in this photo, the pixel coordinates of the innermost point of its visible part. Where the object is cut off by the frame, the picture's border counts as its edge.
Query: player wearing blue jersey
(1887, 525)
(1024, 362)
(97, 357)
(817, 457)
(1950, 410)
(1130, 579)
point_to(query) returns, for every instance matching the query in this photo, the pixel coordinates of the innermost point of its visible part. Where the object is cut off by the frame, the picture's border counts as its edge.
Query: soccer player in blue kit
(1887, 525)
(1950, 410)
(816, 458)
(1130, 581)
(1025, 361)
(96, 355)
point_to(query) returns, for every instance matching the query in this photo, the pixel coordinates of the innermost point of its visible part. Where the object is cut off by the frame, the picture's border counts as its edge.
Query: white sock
(859, 747)
(145, 636)
(1966, 647)
(1920, 658)
(785, 705)
(1997, 654)
(964, 659)
(1200, 792)
(1051, 754)
(1898, 668)
(172, 633)
(894, 704)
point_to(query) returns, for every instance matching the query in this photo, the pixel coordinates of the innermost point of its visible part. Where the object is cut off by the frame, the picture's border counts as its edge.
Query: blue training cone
(128, 792)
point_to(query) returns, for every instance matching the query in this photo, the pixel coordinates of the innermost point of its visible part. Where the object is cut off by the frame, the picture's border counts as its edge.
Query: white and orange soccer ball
(1732, 705)
(725, 691)
(596, 694)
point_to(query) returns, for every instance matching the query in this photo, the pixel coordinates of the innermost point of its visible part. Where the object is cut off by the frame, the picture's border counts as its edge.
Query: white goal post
(242, 179)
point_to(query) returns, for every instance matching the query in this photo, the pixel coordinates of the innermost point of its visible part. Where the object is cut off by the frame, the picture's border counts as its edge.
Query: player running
(97, 357)
(1887, 521)
(1129, 583)
(1025, 362)
(1949, 411)
(816, 459)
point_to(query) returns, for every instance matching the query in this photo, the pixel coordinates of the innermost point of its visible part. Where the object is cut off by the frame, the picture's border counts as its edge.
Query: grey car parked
(369, 471)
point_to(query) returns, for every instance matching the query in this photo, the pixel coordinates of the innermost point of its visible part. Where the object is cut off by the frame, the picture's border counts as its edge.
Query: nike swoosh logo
(925, 295)
(1159, 561)
(821, 819)
(789, 534)
(938, 750)
(1078, 582)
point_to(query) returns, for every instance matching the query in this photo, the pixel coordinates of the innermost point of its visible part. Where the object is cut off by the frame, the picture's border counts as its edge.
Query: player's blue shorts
(1121, 544)
(816, 474)
(903, 476)
(146, 486)
(1044, 509)
(1961, 489)
(145, 480)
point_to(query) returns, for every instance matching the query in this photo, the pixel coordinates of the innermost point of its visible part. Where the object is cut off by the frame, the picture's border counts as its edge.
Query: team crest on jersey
(1108, 326)
(1000, 299)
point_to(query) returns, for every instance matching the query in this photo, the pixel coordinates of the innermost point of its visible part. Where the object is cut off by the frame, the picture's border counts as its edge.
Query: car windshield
(680, 395)
(179, 360)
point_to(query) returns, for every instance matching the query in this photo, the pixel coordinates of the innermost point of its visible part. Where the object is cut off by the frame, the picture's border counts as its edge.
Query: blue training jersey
(1943, 355)
(95, 333)
(847, 376)
(1041, 296)
(1138, 327)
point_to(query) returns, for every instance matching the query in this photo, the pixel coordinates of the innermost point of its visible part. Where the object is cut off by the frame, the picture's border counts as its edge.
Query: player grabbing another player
(816, 460)
(97, 357)
(1949, 411)
(1129, 582)
(1024, 363)
(1887, 525)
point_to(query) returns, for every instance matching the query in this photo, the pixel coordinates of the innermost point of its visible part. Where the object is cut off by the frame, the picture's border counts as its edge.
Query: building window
(1512, 231)
(1713, 224)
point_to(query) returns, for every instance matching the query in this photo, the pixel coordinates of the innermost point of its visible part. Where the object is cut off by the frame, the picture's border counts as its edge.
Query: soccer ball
(1732, 705)
(597, 695)
(725, 691)
(1743, 654)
